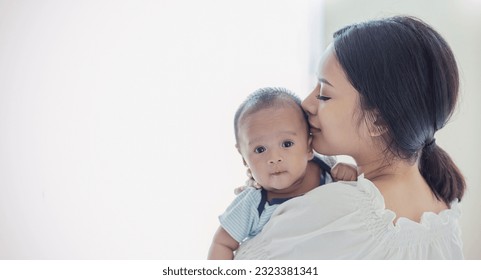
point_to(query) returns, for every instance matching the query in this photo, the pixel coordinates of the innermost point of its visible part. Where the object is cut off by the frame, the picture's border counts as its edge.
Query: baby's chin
(278, 188)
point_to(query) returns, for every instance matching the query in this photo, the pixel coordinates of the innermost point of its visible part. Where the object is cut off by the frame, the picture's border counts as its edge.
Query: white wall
(116, 118)
(460, 24)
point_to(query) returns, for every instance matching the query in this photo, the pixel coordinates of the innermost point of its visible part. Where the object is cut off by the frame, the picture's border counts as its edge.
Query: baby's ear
(243, 160)
(310, 151)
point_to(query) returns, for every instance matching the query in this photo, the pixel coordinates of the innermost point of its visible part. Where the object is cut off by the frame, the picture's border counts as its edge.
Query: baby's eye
(287, 144)
(260, 150)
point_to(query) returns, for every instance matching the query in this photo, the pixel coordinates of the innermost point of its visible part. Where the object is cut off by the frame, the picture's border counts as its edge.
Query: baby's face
(275, 145)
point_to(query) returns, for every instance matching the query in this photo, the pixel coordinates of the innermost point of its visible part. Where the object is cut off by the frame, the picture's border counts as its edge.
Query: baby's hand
(240, 189)
(344, 172)
(249, 183)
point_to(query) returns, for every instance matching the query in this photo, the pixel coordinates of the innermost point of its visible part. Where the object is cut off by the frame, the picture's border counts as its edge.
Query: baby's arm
(223, 246)
(344, 172)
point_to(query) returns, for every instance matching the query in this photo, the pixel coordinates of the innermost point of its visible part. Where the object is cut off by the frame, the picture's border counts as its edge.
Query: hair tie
(429, 144)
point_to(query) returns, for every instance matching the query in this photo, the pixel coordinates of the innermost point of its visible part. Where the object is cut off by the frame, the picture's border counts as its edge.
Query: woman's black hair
(408, 82)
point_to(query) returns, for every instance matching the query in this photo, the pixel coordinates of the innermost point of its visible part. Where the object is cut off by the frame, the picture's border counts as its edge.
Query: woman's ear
(376, 125)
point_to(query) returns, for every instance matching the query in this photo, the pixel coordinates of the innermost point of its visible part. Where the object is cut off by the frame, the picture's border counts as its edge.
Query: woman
(385, 88)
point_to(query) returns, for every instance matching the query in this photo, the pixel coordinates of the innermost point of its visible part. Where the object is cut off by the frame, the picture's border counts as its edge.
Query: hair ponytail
(442, 175)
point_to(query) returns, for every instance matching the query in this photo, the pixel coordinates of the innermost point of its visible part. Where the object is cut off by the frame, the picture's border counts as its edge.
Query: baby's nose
(274, 160)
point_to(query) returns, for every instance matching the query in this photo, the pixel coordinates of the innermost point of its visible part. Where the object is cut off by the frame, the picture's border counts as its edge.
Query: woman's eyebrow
(324, 81)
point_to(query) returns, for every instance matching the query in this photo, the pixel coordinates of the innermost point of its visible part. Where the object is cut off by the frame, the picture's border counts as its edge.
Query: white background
(117, 119)
(116, 138)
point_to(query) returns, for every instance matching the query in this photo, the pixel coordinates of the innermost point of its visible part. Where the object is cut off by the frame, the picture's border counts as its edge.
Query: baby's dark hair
(266, 98)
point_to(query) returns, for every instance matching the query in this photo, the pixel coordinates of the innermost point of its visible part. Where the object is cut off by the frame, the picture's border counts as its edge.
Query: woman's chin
(320, 149)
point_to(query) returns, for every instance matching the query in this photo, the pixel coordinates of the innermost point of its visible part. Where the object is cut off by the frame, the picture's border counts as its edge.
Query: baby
(272, 136)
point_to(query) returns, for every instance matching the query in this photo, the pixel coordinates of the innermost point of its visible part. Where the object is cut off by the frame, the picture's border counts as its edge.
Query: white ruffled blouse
(348, 220)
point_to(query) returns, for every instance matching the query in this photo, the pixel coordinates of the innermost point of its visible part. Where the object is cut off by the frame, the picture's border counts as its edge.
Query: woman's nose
(308, 105)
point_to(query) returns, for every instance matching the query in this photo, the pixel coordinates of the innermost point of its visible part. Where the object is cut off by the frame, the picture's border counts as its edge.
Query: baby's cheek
(257, 176)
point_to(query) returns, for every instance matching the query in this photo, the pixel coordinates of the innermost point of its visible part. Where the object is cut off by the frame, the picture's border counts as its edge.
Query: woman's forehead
(330, 70)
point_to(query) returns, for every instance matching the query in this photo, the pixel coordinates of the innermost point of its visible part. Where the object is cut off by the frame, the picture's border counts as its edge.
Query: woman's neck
(374, 168)
(403, 187)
